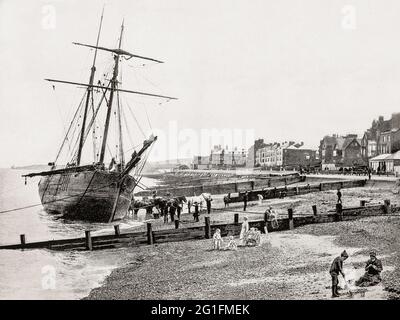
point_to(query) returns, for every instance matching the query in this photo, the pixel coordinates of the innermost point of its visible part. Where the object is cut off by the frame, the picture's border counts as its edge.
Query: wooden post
(314, 209)
(362, 203)
(88, 240)
(150, 239)
(117, 231)
(176, 224)
(22, 238)
(290, 213)
(339, 212)
(236, 218)
(207, 233)
(387, 208)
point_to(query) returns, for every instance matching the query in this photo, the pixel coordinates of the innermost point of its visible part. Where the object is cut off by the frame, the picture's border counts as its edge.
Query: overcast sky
(285, 69)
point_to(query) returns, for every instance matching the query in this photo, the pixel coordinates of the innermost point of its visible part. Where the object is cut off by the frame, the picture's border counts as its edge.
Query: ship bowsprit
(87, 195)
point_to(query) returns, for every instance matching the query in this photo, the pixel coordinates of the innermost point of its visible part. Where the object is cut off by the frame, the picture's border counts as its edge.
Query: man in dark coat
(335, 270)
(373, 271)
(172, 210)
(165, 212)
(245, 199)
(196, 212)
(339, 196)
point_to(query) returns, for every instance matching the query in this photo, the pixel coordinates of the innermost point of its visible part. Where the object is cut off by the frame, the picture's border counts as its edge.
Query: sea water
(41, 273)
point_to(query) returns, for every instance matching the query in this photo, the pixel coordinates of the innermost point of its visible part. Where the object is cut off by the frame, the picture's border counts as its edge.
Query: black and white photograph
(213, 150)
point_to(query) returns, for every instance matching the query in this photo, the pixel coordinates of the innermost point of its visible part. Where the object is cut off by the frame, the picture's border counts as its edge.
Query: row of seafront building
(378, 148)
(277, 155)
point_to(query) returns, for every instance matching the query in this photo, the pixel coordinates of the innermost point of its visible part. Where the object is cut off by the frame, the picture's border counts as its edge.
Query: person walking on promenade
(335, 270)
(227, 198)
(196, 212)
(339, 196)
(245, 199)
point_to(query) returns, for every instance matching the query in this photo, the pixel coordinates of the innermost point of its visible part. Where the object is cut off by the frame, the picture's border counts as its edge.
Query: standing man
(165, 210)
(196, 212)
(208, 202)
(245, 199)
(179, 210)
(189, 204)
(335, 270)
(172, 210)
(369, 173)
(339, 196)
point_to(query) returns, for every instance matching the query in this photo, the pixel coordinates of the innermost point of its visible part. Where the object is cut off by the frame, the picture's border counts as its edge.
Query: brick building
(288, 154)
(251, 153)
(382, 137)
(338, 151)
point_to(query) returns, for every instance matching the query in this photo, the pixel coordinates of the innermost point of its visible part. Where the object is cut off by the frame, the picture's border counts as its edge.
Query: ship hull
(87, 195)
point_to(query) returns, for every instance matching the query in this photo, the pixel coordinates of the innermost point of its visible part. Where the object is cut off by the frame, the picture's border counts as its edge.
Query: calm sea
(43, 274)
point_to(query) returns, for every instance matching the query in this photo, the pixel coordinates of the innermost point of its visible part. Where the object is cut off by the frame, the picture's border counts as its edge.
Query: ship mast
(121, 146)
(114, 82)
(89, 93)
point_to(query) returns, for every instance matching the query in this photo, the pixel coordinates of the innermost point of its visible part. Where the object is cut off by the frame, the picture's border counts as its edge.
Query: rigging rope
(70, 126)
(133, 115)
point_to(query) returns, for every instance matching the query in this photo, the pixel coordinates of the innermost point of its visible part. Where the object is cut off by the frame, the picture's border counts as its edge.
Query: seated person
(372, 274)
(217, 240)
(232, 244)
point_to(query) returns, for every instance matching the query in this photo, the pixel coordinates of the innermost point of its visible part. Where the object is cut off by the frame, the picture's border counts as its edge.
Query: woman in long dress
(243, 232)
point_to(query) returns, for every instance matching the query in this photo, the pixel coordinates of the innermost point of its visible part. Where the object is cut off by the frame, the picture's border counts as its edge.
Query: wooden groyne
(204, 231)
(285, 191)
(224, 188)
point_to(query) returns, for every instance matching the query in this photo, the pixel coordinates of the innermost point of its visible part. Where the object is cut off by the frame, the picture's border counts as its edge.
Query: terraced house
(340, 152)
(287, 155)
(382, 138)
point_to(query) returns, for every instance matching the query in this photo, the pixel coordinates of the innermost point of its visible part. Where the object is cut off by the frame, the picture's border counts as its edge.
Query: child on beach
(232, 244)
(217, 240)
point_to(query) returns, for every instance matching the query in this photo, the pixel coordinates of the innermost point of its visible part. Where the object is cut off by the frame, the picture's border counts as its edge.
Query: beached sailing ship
(98, 191)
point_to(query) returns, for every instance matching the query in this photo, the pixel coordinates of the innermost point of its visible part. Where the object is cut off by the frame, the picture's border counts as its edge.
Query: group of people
(248, 236)
(371, 277)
